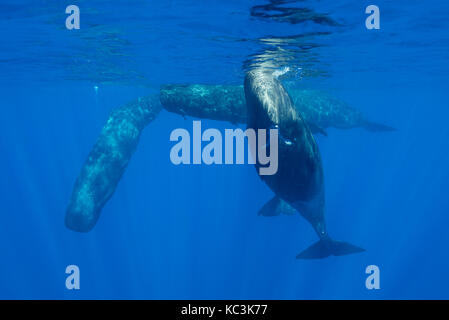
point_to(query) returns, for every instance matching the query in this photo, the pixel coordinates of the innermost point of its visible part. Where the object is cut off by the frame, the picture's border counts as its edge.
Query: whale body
(107, 161)
(227, 103)
(299, 180)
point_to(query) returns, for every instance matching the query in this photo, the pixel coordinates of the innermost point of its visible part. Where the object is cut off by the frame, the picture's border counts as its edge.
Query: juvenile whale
(299, 180)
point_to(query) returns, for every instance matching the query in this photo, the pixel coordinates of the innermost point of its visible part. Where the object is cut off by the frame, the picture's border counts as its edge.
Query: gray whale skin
(107, 162)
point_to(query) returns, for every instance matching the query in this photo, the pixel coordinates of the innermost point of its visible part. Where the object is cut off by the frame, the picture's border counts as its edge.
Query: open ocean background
(192, 232)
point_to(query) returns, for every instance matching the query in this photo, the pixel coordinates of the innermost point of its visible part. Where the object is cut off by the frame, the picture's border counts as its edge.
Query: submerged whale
(109, 157)
(107, 161)
(227, 103)
(299, 180)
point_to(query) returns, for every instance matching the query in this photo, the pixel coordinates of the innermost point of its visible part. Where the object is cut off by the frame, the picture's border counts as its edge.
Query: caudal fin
(326, 247)
(375, 127)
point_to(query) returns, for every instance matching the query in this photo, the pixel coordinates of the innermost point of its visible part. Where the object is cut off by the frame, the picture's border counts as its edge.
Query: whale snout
(81, 216)
(79, 222)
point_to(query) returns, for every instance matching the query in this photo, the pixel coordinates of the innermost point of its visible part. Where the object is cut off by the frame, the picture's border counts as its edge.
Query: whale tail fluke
(376, 127)
(326, 247)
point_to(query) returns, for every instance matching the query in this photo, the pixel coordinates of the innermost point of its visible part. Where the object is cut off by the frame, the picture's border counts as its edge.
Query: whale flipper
(275, 206)
(271, 208)
(326, 247)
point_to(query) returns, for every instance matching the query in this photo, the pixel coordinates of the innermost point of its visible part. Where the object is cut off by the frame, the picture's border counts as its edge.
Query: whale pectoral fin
(275, 207)
(316, 128)
(271, 208)
(326, 247)
(287, 209)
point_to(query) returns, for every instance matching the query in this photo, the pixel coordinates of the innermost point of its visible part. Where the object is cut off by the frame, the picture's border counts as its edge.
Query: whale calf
(299, 180)
(227, 103)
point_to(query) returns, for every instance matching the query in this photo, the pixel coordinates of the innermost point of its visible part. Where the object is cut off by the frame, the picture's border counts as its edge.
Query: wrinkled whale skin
(227, 103)
(215, 102)
(107, 161)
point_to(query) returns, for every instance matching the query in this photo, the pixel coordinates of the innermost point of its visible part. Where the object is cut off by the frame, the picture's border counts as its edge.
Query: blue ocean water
(192, 232)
